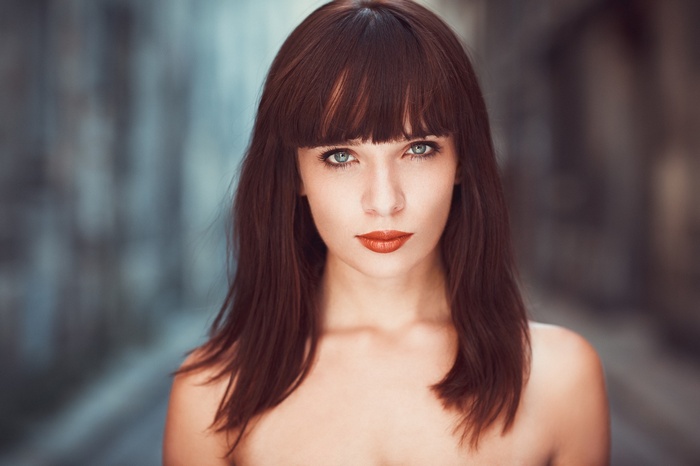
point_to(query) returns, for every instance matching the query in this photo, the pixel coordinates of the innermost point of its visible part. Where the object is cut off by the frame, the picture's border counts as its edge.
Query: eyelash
(435, 149)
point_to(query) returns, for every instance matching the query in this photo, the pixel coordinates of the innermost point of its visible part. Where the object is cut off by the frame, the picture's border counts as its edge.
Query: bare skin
(368, 402)
(387, 338)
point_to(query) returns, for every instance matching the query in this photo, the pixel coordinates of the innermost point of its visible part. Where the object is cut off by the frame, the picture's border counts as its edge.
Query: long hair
(368, 70)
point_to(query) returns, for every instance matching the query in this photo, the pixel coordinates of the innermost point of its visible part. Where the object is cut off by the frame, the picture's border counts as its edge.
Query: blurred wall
(122, 123)
(91, 186)
(595, 106)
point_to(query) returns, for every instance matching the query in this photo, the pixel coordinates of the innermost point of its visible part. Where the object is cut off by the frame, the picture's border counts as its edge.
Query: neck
(352, 300)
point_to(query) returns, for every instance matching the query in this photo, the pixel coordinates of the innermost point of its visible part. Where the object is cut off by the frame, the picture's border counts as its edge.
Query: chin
(386, 266)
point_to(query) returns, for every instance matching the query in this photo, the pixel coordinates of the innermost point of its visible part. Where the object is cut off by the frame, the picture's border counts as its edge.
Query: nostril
(386, 204)
(383, 194)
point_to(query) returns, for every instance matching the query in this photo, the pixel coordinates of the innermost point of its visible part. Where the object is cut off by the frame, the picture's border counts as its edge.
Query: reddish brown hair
(362, 70)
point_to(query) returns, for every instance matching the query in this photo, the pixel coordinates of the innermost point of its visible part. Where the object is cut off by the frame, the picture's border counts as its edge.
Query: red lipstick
(385, 241)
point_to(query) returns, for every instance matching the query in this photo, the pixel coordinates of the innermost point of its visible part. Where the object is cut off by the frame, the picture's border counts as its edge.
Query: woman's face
(380, 208)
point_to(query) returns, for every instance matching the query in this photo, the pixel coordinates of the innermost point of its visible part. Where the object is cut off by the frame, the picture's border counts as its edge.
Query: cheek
(434, 191)
(330, 209)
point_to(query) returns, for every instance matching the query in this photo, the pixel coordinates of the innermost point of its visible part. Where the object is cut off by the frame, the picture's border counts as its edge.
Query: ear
(302, 189)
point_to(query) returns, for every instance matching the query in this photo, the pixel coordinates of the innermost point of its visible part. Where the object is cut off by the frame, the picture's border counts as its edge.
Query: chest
(377, 410)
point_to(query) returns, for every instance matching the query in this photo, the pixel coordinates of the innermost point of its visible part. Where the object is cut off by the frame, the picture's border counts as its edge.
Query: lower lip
(383, 246)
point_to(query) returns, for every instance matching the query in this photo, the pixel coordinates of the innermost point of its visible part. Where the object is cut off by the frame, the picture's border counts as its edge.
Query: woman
(374, 316)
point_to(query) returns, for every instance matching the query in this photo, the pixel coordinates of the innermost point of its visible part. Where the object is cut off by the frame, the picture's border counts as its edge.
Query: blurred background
(122, 124)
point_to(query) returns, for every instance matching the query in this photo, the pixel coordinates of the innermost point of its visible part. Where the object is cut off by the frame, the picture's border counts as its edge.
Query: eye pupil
(419, 148)
(341, 157)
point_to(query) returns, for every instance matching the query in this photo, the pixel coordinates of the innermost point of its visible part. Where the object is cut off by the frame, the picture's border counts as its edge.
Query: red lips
(385, 241)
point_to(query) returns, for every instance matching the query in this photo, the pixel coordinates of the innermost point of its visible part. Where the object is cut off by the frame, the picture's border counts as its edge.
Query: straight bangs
(366, 77)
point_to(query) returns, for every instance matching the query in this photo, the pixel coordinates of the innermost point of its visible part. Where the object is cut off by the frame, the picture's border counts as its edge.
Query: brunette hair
(369, 70)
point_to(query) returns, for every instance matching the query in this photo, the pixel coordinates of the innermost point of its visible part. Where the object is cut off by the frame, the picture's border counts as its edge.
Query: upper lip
(384, 235)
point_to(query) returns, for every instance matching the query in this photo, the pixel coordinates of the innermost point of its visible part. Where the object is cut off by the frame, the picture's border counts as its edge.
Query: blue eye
(419, 149)
(341, 157)
(423, 149)
(337, 158)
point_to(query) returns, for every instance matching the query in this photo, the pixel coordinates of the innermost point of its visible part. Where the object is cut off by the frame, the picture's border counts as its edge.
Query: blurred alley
(122, 124)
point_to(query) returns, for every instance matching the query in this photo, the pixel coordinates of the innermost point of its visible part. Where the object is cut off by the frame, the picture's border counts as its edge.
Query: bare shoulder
(567, 381)
(189, 437)
(558, 345)
(565, 363)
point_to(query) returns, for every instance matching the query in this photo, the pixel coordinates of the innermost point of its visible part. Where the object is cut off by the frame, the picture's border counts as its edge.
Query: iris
(341, 157)
(419, 149)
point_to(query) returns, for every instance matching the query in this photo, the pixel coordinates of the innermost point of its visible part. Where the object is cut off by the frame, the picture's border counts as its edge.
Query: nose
(383, 195)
